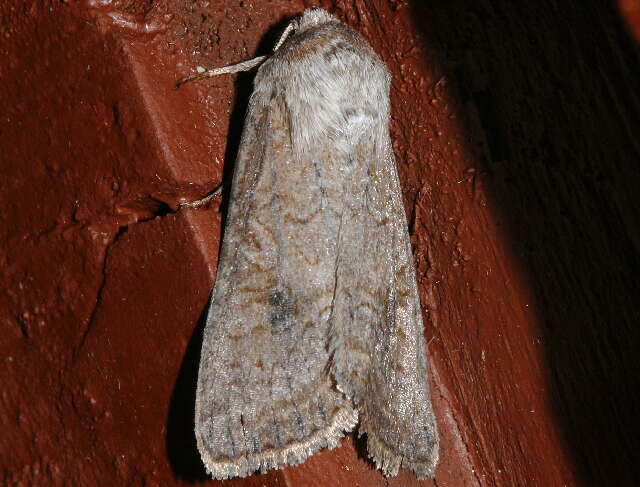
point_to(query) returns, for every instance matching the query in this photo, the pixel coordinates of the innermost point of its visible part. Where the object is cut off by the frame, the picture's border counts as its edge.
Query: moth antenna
(285, 35)
(237, 67)
(232, 68)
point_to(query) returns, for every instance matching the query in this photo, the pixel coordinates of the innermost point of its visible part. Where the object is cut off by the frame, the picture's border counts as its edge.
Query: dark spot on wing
(281, 310)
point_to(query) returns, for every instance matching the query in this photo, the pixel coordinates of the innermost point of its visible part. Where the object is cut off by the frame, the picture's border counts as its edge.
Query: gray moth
(315, 322)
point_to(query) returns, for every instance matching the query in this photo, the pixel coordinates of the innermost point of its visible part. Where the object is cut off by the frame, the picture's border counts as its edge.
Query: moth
(315, 322)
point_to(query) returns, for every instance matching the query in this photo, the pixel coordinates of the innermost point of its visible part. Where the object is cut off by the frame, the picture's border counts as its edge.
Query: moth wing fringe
(293, 454)
(390, 462)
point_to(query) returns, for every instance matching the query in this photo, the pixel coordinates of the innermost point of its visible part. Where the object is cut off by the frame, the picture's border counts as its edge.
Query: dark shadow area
(556, 88)
(360, 445)
(182, 450)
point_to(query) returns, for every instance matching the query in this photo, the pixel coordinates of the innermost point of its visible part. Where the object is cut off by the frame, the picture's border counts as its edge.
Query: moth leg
(202, 201)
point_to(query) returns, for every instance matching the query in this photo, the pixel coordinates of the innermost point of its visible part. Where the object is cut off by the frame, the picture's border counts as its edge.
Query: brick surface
(516, 133)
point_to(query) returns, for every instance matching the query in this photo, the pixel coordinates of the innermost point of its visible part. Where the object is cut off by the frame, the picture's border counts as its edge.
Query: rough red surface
(516, 129)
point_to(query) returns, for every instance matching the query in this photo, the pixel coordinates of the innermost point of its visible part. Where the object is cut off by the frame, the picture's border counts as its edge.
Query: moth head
(313, 18)
(334, 86)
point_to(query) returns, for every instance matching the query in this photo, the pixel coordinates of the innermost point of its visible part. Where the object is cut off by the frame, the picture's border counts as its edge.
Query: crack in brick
(92, 315)
(163, 209)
